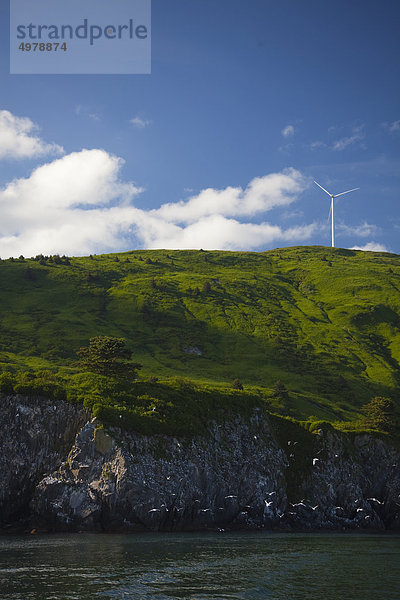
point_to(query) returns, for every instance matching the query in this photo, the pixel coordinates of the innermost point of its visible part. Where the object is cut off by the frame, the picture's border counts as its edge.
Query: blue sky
(247, 103)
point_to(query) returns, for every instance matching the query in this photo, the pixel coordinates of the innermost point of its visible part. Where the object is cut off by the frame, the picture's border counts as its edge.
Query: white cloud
(262, 194)
(288, 131)
(139, 122)
(79, 205)
(292, 214)
(73, 204)
(219, 232)
(363, 230)
(84, 111)
(393, 127)
(317, 144)
(371, 247)
(358, 135)
(17, 140)
(286, 148)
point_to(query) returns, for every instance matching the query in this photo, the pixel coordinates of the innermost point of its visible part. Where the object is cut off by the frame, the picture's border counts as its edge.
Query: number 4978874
(42, 46)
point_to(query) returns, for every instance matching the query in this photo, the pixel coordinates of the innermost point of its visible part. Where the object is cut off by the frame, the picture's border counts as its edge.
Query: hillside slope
(326, 322)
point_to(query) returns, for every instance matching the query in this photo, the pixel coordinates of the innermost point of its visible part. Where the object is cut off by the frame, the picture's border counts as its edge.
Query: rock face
(134, 482)
(35, 435)
(237, 477)
(351, 484)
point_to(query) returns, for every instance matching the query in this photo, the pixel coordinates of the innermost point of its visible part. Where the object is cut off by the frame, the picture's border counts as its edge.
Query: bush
(314, 426)
(237, 384)
(280, 391)
(29, 274)
(7, 382)
(42, 383)
(381, 414)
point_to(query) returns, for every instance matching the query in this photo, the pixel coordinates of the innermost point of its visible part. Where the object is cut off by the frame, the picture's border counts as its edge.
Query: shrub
(237, 384)
(7, 382)
(381, 414)
(42, 383)
(280, 391)
(29, 274)
(314, 426)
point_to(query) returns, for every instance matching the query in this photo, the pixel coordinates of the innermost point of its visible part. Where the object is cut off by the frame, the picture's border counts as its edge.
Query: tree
(108, 356)
(381, 414)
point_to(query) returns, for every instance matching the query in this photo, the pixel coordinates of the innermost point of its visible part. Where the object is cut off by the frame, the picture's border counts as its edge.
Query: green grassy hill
(326, 322)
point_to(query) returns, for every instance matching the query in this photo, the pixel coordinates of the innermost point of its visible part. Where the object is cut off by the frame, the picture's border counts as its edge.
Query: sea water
(200, 566)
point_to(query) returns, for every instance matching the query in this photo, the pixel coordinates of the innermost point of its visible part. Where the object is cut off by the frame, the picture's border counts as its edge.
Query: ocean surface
(200, 566)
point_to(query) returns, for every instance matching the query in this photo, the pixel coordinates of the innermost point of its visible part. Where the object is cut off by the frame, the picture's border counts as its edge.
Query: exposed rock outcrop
(353, 483)
(35, 436)
(238, 476)
(137, 482)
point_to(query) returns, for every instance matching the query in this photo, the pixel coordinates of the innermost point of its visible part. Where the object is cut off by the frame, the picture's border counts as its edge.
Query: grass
(324, 321)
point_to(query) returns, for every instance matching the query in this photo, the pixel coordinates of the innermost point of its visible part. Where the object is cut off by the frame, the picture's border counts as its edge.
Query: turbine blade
(322, 188)
(348, 192)
(330, 212)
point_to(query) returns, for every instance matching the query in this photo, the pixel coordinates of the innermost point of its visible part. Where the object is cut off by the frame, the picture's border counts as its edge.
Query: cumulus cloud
(75, 203)
(78, 204)
(288, 131)
(219, 232)
(139, 122)
(371, 247)
(262, 194)
(17, 139)
(358, 135)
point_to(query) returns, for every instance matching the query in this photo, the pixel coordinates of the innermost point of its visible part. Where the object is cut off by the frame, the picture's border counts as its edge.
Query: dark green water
(200, 567)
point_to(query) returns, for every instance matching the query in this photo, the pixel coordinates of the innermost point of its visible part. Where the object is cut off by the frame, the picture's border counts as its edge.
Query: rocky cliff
(35, 436)
(238, 476)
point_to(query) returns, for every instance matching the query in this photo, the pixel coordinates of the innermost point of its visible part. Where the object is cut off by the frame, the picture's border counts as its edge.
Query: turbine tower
(332, 197)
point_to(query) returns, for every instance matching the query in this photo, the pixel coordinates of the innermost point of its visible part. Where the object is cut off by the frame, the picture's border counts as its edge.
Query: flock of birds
(269, 503)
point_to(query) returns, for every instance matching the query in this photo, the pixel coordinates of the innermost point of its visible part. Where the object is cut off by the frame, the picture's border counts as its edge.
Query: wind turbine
(333, 196)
